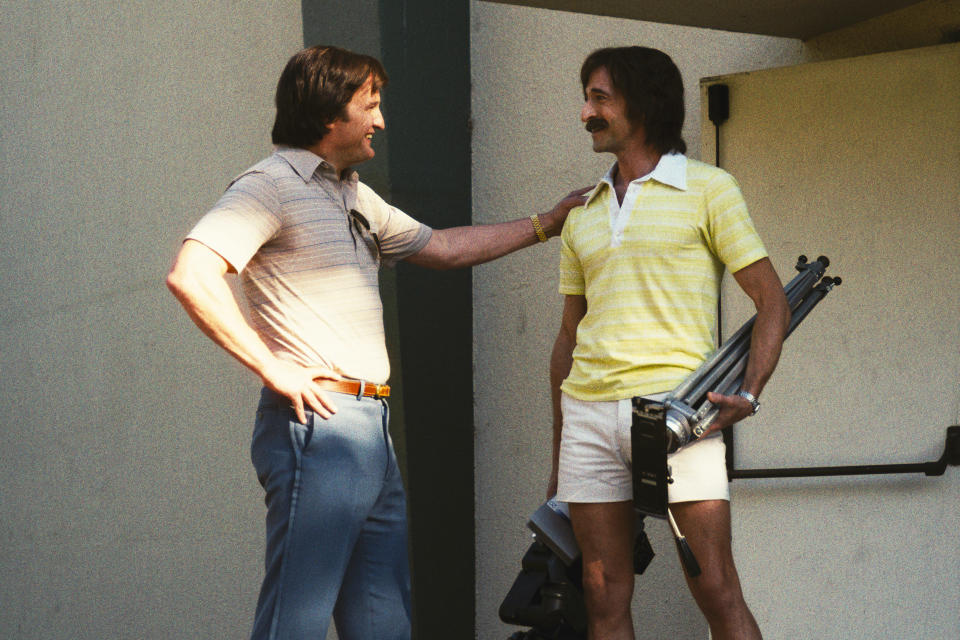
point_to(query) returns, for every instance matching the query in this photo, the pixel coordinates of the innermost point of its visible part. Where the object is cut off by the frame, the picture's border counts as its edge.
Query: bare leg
(706, 526)
(605, 534)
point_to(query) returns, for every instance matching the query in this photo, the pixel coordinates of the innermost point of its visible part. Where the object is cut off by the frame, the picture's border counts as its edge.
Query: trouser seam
(294, 499)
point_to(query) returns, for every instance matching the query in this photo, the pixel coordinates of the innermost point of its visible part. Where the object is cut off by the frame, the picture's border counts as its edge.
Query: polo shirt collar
(306, 163)
(671, 170)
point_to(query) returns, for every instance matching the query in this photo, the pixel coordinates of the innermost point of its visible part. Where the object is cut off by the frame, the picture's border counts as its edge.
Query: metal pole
(696, 385)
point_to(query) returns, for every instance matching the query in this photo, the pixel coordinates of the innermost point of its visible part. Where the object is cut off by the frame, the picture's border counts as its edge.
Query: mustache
(596, 124)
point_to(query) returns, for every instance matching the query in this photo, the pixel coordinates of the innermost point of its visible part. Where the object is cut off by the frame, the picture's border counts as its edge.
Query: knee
(607, 592)
(718, 595)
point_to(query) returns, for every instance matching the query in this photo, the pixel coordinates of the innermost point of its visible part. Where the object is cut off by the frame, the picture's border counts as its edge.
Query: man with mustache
(641, 264)
(307, 240)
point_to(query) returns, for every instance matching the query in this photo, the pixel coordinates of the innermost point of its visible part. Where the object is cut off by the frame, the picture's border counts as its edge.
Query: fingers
(728, 402)
(716, 398)
(318, 401)
(308, 399)
(314, 399)
(311, 397)
(576, 198)
(326, 407)
(731, 409)
(554, 219)
(297, 384)
(298, 409)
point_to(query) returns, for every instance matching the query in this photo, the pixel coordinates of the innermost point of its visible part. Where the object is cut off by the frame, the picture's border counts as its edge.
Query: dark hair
(651, 84)
(314, 90)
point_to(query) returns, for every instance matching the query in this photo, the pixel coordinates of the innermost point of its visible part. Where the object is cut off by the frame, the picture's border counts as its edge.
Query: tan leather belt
(354, 388)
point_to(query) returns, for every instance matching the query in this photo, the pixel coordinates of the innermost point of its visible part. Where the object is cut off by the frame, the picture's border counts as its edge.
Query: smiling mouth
(596, 124)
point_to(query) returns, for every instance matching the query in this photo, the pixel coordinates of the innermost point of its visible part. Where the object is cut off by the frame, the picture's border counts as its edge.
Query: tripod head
(547, 595)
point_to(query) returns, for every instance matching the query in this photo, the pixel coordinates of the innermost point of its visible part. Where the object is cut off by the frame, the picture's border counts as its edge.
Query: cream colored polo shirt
(308, 267)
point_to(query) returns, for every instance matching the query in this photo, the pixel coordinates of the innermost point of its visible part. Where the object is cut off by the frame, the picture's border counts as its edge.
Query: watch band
(749, 397)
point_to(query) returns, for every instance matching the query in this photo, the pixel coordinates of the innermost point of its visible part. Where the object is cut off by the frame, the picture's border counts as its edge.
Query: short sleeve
(571, 272)
(732, 235)
(400, 235)
(245, 217)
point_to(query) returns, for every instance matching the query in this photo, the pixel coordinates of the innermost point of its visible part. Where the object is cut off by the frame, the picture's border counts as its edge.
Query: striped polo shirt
(650, 270)
(309, 268)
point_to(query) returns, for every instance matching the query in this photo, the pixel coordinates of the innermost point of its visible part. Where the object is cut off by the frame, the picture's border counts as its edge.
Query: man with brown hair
(307, 239)
(640, 270)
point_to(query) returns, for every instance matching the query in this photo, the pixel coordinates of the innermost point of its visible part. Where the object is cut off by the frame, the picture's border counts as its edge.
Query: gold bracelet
(535, 219)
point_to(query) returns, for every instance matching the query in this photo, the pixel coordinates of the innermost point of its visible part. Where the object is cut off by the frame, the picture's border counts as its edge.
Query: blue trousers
(336, 523)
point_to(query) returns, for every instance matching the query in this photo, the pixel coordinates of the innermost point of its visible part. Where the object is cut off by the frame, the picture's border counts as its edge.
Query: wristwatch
(746, 395)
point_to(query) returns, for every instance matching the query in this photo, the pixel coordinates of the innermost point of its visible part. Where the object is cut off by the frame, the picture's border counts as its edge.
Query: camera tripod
(661, 425)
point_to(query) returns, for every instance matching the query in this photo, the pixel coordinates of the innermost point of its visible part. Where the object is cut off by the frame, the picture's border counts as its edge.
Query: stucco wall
(529, 148)
(129, 506)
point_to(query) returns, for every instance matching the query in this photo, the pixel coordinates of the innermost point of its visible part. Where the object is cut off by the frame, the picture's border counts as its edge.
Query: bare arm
(460, 247)
(561, 359)
(198, 280)
(759, 281)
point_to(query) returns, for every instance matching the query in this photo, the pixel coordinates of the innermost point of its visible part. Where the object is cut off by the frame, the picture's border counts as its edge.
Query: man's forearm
(561, 360)
(197, 281)
(766, 342)
(760, 282)
(460, 247)
(209, 302)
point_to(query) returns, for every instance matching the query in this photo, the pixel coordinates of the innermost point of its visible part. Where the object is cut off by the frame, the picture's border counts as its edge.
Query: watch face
(746, 395)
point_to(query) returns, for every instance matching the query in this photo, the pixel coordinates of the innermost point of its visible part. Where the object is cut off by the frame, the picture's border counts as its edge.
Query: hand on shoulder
(553, 220)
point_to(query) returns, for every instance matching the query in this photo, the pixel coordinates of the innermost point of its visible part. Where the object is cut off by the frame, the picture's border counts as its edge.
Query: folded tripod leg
(691, 390)
(689, 413)
(733, 378)
(663, 425)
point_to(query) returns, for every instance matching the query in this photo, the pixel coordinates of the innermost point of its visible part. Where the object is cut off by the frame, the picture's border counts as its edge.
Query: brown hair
(314, 90)
(652, 87)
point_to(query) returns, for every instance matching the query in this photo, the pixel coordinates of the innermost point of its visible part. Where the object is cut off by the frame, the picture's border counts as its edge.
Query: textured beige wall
(129, 507)
(529, 148)
(857, 159)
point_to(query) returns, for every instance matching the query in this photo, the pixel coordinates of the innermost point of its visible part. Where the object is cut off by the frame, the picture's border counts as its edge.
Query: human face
(604, 113)
(349, 141)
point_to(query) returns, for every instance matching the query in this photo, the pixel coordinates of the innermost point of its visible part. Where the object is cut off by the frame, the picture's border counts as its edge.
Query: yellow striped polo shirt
(650, 270)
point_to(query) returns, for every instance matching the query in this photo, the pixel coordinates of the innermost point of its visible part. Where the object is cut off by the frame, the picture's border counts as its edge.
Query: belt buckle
(379, 390)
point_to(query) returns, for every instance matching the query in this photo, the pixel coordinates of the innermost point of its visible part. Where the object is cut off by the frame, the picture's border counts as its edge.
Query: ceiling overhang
(803, 19)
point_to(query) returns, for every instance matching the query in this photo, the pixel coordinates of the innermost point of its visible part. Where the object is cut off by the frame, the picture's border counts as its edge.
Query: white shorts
(596, 458)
